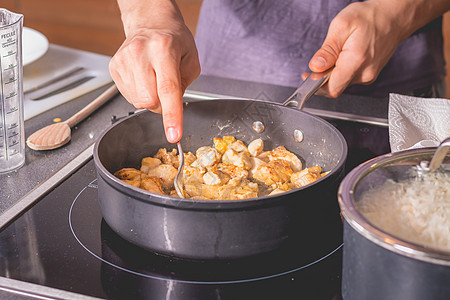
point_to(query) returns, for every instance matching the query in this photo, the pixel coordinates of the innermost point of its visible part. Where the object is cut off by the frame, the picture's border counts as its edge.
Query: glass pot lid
(383, 200)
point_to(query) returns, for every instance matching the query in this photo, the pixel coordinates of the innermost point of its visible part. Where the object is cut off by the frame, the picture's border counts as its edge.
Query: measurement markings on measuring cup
(12, 139)
(2, 134)
(11, 79)
(9, 43)
(11, 95)
(11, 118)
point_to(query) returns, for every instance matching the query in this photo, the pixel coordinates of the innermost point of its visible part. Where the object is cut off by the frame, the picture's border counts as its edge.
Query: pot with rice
(397, 228)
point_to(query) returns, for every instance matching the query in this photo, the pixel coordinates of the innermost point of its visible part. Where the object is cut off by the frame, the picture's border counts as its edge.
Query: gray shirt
(272, 41)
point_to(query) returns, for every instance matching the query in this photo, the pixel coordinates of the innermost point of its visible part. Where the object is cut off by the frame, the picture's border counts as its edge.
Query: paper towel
(417, 122)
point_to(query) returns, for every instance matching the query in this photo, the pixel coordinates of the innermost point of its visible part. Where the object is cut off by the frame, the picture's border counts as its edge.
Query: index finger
(168, 85)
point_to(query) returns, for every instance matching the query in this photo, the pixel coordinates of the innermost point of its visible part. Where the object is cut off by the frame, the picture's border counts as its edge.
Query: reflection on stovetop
(119, 253)
(291, 271)
(65, 244)
(190, 278)
(320, 281)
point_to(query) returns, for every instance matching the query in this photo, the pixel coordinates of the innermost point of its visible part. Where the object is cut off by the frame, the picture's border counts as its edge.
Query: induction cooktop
(61, 243)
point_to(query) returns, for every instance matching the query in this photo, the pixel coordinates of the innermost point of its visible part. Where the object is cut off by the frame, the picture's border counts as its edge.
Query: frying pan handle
(308, 88)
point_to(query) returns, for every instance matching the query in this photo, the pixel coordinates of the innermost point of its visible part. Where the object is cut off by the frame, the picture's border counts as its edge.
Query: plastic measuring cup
(12, 136)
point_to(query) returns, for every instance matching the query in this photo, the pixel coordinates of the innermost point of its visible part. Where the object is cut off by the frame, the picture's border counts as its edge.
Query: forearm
(155, 14)
(407, 16)
(364, 35)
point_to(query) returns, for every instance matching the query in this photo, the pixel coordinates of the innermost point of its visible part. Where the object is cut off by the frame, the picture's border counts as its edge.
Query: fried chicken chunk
(306, 176)
(228, 170)
(140, 179)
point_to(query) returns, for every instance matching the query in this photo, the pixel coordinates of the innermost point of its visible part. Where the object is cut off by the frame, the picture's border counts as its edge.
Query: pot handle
(308, 88)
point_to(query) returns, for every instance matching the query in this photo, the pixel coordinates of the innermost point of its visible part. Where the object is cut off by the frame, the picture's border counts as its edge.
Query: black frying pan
(223, 229)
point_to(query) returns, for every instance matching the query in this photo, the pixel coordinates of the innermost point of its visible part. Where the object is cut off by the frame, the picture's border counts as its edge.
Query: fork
(178, 181)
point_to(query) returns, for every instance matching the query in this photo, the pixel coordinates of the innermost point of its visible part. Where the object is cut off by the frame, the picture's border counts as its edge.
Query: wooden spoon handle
(91, 107)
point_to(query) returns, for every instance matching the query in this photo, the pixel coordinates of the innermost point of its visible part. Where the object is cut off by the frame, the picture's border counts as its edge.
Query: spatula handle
(91, 107)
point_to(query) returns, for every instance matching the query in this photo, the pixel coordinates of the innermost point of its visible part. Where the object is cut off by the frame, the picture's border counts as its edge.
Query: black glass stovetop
(62, 242)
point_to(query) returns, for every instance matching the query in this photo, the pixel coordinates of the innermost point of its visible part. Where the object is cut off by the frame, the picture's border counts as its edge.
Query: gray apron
(272, 41)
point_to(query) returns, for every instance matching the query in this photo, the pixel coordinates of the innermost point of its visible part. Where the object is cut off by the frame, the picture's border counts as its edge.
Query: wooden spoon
(58, 134)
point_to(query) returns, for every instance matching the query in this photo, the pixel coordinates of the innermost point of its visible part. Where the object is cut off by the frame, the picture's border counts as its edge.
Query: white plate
(34, 45)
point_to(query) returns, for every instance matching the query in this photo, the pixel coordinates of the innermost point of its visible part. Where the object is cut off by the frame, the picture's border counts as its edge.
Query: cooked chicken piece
(173, 193)
(315, 169)
(238, 189)
(222, 144)
(166, 173)
(280, 153)
(245, 189)
(148, 163)
(189, 158)
(287, 186)
(216, 192)
(306, 176)
(264, 156)
(192, 175)
(229, 139)
(256, 147)
(199, 198)
(236, 181)
(206, 156)
(168, 158)
(139, 179)
(151, 184)
(256, 163)
(223, 171)
(276, 192)
(193, 190)
(283, 168)
(238, 146)
(136, 183)
(324, 173)
(212, 191)
(277, 189)
(216, 177)
(273, 173)
(128, 174)
(232, 170)
(239, 159)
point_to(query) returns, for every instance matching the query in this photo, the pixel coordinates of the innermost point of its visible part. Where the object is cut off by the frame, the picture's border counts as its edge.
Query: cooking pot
(379, 264)
(306, 217)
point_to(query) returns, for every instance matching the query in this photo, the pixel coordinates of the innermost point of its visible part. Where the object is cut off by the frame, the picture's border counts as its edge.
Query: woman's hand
(156, 62)
(363, 36)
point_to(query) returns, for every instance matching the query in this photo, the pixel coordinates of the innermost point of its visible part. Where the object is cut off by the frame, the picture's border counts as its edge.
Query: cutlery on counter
(58, 134)
(61, 83)
(62, 76)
